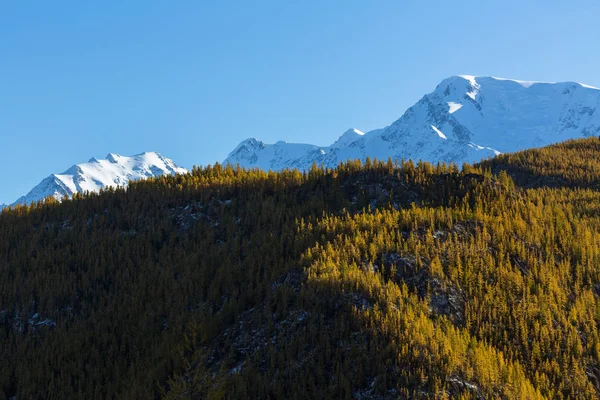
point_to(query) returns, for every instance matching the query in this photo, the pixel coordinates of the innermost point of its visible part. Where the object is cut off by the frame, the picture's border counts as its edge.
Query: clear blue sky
(190, 79)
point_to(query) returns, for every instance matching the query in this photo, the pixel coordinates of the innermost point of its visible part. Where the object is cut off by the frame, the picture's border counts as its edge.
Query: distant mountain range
(465, 119)
(115, 170)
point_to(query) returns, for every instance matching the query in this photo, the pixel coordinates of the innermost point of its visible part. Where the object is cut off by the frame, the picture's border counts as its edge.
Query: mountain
(465, 119)
(369, 282)
(115, 170)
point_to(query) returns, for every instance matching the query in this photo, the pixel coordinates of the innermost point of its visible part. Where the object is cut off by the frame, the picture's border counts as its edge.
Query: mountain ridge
(465, 119)
(96, 174)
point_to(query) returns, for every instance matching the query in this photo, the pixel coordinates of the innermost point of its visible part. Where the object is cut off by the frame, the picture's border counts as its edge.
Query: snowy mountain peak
(348, 137)
(114, 170)
(113, 157)
(353, 131)
(244, 152)
(248, 145)
(466, 118)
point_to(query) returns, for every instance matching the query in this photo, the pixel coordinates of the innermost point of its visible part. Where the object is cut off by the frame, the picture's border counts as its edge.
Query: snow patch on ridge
(453, 107)
(440, 134)
(478, 147)
(528, 84)
(474, 86)
(525, 84)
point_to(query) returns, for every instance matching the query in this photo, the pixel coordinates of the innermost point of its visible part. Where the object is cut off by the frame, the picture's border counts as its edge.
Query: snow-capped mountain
(465, 119)
(115, 170)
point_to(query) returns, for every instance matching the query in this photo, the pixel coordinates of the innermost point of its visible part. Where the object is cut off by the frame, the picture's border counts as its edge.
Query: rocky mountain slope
(465, 119)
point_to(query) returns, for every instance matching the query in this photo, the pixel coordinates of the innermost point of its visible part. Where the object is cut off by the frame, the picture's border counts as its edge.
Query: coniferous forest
(374, 280)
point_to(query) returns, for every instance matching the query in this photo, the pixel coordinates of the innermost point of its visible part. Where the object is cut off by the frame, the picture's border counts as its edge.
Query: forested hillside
(370, 281)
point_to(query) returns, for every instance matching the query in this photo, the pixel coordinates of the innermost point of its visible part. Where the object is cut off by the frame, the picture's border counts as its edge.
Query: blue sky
(191, 79)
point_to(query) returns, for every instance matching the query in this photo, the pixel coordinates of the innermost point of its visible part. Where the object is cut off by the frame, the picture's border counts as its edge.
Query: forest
(373, 280)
